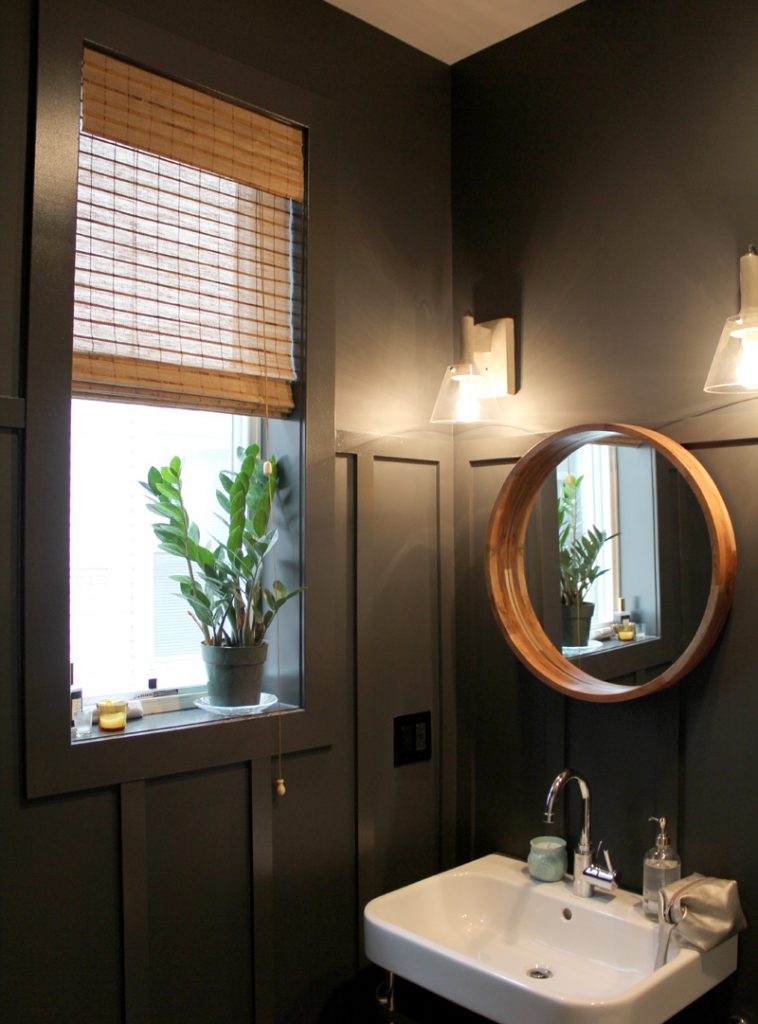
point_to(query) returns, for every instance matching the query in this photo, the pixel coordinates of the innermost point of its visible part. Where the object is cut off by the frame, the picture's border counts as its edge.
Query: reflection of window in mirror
(618, 495)
(625, 491)
(597, 506)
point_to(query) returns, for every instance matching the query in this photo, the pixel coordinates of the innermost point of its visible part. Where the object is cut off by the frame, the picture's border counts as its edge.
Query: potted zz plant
(578, 554)
(224, 584)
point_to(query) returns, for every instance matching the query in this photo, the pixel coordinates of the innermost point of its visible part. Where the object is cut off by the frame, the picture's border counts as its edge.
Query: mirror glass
(600, 514)
(618, 561)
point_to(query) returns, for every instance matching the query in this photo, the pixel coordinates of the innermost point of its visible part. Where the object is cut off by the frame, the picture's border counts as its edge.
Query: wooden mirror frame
(506, 563)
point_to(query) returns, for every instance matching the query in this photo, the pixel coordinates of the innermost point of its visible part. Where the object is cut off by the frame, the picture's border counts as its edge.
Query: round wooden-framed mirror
(507, 574)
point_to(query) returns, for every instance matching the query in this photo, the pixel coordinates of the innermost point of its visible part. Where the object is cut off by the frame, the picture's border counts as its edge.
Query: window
(598, 506)
(128, 627)
(182, 742)
(619, 493)
(187, 278)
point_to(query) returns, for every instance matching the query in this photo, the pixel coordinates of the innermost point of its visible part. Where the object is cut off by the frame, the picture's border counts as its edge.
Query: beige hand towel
(699, 911)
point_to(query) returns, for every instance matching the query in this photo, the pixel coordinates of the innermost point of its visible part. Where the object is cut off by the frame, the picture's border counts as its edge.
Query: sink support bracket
(385, 993)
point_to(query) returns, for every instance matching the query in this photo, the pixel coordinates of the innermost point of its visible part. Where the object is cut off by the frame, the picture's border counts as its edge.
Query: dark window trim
(53, 764)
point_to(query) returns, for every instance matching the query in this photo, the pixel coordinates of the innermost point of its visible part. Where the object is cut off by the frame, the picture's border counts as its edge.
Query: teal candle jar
(547, 858)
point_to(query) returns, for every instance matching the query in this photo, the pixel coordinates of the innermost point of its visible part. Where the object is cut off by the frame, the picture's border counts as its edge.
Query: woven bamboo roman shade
(188, 246)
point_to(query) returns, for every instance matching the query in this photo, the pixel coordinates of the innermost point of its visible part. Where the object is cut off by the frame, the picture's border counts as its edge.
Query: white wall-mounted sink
(487, 937)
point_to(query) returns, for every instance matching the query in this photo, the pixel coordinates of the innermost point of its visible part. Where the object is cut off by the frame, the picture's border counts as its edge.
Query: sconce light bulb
(465, 397)
(747, 367)
(467, 409)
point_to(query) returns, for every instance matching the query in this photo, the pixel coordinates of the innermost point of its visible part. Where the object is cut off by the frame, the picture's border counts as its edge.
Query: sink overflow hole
(540, 972)
(567, 915)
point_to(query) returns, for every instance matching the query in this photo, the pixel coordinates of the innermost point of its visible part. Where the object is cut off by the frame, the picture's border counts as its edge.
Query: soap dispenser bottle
(660, 867)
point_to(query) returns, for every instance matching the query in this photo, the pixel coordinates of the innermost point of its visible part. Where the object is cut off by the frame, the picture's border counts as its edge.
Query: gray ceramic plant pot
(576, 624)
(235, 674)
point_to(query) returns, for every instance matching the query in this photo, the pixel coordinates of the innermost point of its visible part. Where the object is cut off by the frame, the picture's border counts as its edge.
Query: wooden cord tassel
(281, 789)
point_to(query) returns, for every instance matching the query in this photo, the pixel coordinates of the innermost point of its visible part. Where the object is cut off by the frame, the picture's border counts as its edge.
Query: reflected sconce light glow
(735, 365)
(471, 390)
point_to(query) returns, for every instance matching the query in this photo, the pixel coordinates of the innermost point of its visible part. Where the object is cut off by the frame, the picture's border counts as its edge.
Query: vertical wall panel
(60, 912)
(16, 17)
(134, 889)
(199, 897)
(398, 666)
(314, 823)
(720, 718)
(512, 762)
(60, 927)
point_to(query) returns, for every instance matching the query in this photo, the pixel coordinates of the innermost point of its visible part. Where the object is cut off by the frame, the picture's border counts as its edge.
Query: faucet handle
(607, 856)
(600, 878)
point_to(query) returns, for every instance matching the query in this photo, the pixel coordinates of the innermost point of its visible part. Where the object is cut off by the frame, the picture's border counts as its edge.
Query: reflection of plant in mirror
(578, 551)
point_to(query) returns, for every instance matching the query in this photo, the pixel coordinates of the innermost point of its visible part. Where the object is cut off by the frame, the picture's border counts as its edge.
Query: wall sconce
(735, 364)
(471, 389)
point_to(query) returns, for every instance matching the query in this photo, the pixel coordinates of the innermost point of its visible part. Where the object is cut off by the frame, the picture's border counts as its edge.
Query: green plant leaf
(153, 479)
(260, 496)
(201, 610)
(227, 480)
(168, 490)
(169, 533)
(163, 508)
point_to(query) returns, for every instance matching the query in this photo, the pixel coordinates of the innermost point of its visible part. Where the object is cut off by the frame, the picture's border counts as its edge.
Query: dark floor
(357, 1004)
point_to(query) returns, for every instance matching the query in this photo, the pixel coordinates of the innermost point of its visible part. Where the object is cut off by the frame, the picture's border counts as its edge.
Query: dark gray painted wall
(604, 177)
(393, 242)
(604, 165)
(144, 901)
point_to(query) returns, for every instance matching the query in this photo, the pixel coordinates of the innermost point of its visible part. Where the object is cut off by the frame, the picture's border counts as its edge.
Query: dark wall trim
(12, 413)
(134, 889)
(732, 442)
(262, 868)
(505, 461)
(421, 520)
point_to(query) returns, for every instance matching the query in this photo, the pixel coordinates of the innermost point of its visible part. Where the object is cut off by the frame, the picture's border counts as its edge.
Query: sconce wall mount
(471, 389)
(492, 346)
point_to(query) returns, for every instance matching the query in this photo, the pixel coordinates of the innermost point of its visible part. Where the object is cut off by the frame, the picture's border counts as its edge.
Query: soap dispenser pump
(660, 867)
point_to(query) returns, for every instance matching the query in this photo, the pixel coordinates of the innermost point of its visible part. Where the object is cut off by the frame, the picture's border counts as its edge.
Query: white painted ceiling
(453, 29)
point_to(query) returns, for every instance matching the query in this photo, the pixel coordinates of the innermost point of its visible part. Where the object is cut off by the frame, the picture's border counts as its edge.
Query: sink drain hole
(539, 972)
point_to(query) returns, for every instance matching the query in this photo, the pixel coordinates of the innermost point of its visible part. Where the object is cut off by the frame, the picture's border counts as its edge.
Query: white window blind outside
(127, 622)
(188, 261)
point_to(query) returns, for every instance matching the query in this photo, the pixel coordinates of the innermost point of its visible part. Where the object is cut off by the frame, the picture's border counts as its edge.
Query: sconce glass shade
(735, 365)
(464, 398)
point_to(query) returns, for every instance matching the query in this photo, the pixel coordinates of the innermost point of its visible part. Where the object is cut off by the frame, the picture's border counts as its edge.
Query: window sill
(628, 662)
(599, 647)
(174, 720)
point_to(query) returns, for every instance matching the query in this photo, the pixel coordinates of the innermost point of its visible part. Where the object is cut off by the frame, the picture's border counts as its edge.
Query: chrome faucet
(587, 876)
